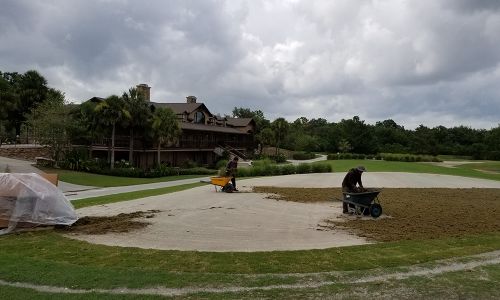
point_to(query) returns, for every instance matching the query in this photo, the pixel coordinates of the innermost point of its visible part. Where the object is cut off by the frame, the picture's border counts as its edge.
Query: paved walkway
(298, 162)
(97, 192)
(17, 166)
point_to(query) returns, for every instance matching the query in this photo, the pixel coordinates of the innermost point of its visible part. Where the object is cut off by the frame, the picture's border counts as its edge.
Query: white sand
(201, 219)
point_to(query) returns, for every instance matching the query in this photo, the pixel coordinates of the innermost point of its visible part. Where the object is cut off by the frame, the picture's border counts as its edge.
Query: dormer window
(199, 117)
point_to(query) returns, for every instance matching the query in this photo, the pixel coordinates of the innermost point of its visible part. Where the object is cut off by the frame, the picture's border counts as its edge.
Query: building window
(199, 117)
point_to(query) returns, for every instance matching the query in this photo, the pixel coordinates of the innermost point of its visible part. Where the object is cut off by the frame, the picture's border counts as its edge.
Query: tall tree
(111, 111)
(280, 127)
(264, 137)
(165, 128)
(19, 93)
(139, 114)
(359, 135)
(50, 121)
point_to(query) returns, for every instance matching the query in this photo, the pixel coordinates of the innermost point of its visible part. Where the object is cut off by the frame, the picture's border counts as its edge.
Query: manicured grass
(411, 167)
(98, 180)
(455, 157)
(132, 195)
(488, 166)
(51, 259)
(479, 283)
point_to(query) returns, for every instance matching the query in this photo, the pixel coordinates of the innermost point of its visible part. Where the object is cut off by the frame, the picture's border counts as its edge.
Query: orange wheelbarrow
(224, 183)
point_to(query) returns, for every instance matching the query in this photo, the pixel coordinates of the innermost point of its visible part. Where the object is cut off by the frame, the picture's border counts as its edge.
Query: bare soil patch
(117, 224)
(410, 213)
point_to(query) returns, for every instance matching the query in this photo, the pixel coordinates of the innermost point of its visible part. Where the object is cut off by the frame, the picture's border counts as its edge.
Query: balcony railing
(124, 142)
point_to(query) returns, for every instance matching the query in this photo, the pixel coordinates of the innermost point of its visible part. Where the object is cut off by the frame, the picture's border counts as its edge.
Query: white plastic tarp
(28, 198)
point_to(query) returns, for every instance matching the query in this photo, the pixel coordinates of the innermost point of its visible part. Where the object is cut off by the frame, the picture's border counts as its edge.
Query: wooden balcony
(123, 142)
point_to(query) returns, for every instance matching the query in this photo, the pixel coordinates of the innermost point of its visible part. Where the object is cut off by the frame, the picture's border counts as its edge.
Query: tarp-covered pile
(28, 200)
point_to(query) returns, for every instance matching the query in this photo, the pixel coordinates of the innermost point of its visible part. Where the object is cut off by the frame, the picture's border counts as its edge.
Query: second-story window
(199, 117)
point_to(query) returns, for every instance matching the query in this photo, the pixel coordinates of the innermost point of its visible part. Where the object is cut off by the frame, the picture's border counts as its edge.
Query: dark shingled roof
(239, 122)
(180, 108)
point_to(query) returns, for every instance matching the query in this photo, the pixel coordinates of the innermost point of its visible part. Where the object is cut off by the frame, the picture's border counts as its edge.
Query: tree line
(356, 136)
(28, 106)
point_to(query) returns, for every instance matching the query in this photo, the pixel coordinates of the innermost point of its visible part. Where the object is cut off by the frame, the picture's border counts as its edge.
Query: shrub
(221, 164)
(408, 157)
(261, 163)
(280, 158)
(321, 168)
(346, 156)
(288, 169)
(198, 171)
(125, 172)
(74, 158)
(332, 156)
(493, 155)
(303, 155)
(304, 168)
(188, 164)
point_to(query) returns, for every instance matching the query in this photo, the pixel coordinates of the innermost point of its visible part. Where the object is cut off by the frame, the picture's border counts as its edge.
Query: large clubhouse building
(204, 138)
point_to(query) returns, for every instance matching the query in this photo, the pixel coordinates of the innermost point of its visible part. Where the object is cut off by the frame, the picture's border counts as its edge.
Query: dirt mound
(412, 213)
(102, 225)
(303, 195)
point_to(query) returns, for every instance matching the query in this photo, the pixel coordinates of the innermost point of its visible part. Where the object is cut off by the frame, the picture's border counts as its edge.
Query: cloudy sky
(431, 62)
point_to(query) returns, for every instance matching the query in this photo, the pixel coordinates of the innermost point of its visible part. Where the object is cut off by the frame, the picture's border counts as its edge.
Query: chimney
(191, 99)
(144, 89)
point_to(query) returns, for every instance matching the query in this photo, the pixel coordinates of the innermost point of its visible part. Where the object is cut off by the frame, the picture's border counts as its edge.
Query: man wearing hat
(352, 178)
(231, 170)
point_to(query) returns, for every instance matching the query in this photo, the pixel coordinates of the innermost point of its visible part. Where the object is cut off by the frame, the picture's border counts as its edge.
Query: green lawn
(108, 181)
(465, 170)
(51, 259)
(48, 258)
(488, 166)
(132, 195)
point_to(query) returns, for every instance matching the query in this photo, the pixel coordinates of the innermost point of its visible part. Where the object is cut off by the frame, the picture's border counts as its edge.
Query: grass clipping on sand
(411, 213)
(115, 224)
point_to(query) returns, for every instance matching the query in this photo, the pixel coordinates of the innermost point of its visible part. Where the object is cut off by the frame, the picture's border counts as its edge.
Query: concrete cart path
(97, 192)
(204, 220)
(17, 166)
(321, 157)
(26, 166)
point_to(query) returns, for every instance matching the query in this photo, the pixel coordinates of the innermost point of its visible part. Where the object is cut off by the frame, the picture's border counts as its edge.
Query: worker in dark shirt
(351, 179)
(231, 170)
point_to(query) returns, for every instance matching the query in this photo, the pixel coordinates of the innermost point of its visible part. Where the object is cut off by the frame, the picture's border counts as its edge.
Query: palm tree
(139, 114)
(265, 137)
(280, 127)
(111, 111)
(165, 128)
(344, 146)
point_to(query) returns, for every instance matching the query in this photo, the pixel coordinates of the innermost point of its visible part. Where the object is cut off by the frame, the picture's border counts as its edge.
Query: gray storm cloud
(417, 62)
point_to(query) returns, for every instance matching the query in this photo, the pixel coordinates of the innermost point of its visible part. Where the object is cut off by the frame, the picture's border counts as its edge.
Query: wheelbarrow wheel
(228, 188)
(375, 210)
